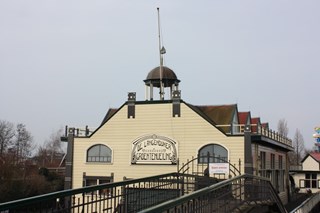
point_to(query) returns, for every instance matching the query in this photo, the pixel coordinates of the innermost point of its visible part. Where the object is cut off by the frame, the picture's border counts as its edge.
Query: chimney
(131, 104)
(176, 97)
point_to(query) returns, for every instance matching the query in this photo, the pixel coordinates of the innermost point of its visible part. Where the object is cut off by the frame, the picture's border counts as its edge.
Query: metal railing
(199, 165)
(238, 129)
(235, 194)
(125, 196)
(308, 205)
(170, 192)
(79, 132)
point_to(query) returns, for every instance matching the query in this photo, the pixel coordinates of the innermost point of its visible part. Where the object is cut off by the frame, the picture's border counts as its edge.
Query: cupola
(161, 77)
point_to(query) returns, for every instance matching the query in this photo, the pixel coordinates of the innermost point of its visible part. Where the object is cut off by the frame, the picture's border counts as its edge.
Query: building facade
(308, 177)
(150, 137)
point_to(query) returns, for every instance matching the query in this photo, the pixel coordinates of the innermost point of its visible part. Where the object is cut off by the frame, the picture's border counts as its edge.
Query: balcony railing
(79, 132)
(238, 129)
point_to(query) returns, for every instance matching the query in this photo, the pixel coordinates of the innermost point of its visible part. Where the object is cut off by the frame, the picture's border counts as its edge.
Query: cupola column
(151, 92)
(147, 93)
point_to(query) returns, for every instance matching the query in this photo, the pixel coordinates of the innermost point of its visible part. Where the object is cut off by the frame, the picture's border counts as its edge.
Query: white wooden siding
(190, 131)
(310, 164)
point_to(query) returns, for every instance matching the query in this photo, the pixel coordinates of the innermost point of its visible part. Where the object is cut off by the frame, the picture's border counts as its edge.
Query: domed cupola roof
(168, 77)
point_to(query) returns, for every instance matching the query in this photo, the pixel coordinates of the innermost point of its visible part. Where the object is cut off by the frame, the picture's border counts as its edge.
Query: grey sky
(67, 62)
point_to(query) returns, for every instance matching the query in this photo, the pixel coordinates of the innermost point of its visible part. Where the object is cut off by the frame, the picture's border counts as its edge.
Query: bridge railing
(227, 196)
(172, 192)
(125, 196)
(309, 204)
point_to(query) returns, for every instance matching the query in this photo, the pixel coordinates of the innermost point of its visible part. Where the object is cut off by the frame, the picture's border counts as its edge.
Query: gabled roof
(314, 155)
(109, 114)
(221, 114)
(255, 123)
(244, 117)
(255, 120)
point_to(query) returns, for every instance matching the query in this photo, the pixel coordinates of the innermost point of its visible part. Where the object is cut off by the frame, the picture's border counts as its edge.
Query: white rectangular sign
(219, 168)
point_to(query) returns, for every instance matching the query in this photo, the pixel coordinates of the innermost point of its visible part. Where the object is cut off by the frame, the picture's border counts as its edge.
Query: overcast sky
(66, 62)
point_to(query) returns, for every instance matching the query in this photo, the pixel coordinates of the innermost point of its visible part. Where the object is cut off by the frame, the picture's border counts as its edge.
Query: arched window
(214, 152)
(99, 153)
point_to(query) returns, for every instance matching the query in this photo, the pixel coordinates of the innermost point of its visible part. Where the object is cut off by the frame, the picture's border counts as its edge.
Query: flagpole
(161, 58)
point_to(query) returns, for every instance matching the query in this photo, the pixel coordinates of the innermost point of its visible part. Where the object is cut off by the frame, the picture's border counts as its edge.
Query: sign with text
(154, 149)
(219, 168)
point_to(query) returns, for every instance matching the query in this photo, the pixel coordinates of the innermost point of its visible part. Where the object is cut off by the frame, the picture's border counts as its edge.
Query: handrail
(166, 206)
(172, 203)
(71, 192)
(308, 204)
(160, 191)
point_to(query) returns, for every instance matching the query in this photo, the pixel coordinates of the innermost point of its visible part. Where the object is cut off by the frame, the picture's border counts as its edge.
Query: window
(310, 180)
(280, 162)
(263, 160)
(214, 152)
(281, 174)
(92, 181)
(272, 173)
(99, 153)
(263, 171)
(272, 161)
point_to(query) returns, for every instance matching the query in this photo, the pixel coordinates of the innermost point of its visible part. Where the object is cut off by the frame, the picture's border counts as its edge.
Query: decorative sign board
(154, 149)
(218, 168)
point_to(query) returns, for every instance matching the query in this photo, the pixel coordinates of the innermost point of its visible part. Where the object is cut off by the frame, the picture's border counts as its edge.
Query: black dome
(168, 77)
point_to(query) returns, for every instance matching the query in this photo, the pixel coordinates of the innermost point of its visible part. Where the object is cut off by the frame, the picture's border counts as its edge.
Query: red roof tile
(243, 117)
(255, 120)
(315, 155)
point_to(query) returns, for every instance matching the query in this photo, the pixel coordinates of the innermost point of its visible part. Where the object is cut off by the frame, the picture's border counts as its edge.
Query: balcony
(238, 129)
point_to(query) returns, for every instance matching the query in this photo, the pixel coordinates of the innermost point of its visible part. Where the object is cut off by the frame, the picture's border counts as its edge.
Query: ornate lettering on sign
(154, 149)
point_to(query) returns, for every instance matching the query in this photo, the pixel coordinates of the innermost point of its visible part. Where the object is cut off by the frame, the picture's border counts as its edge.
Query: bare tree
(299, 149)
(7, 133)
(283, 127)
(53, 145)
(42, 156)
(23, 143)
